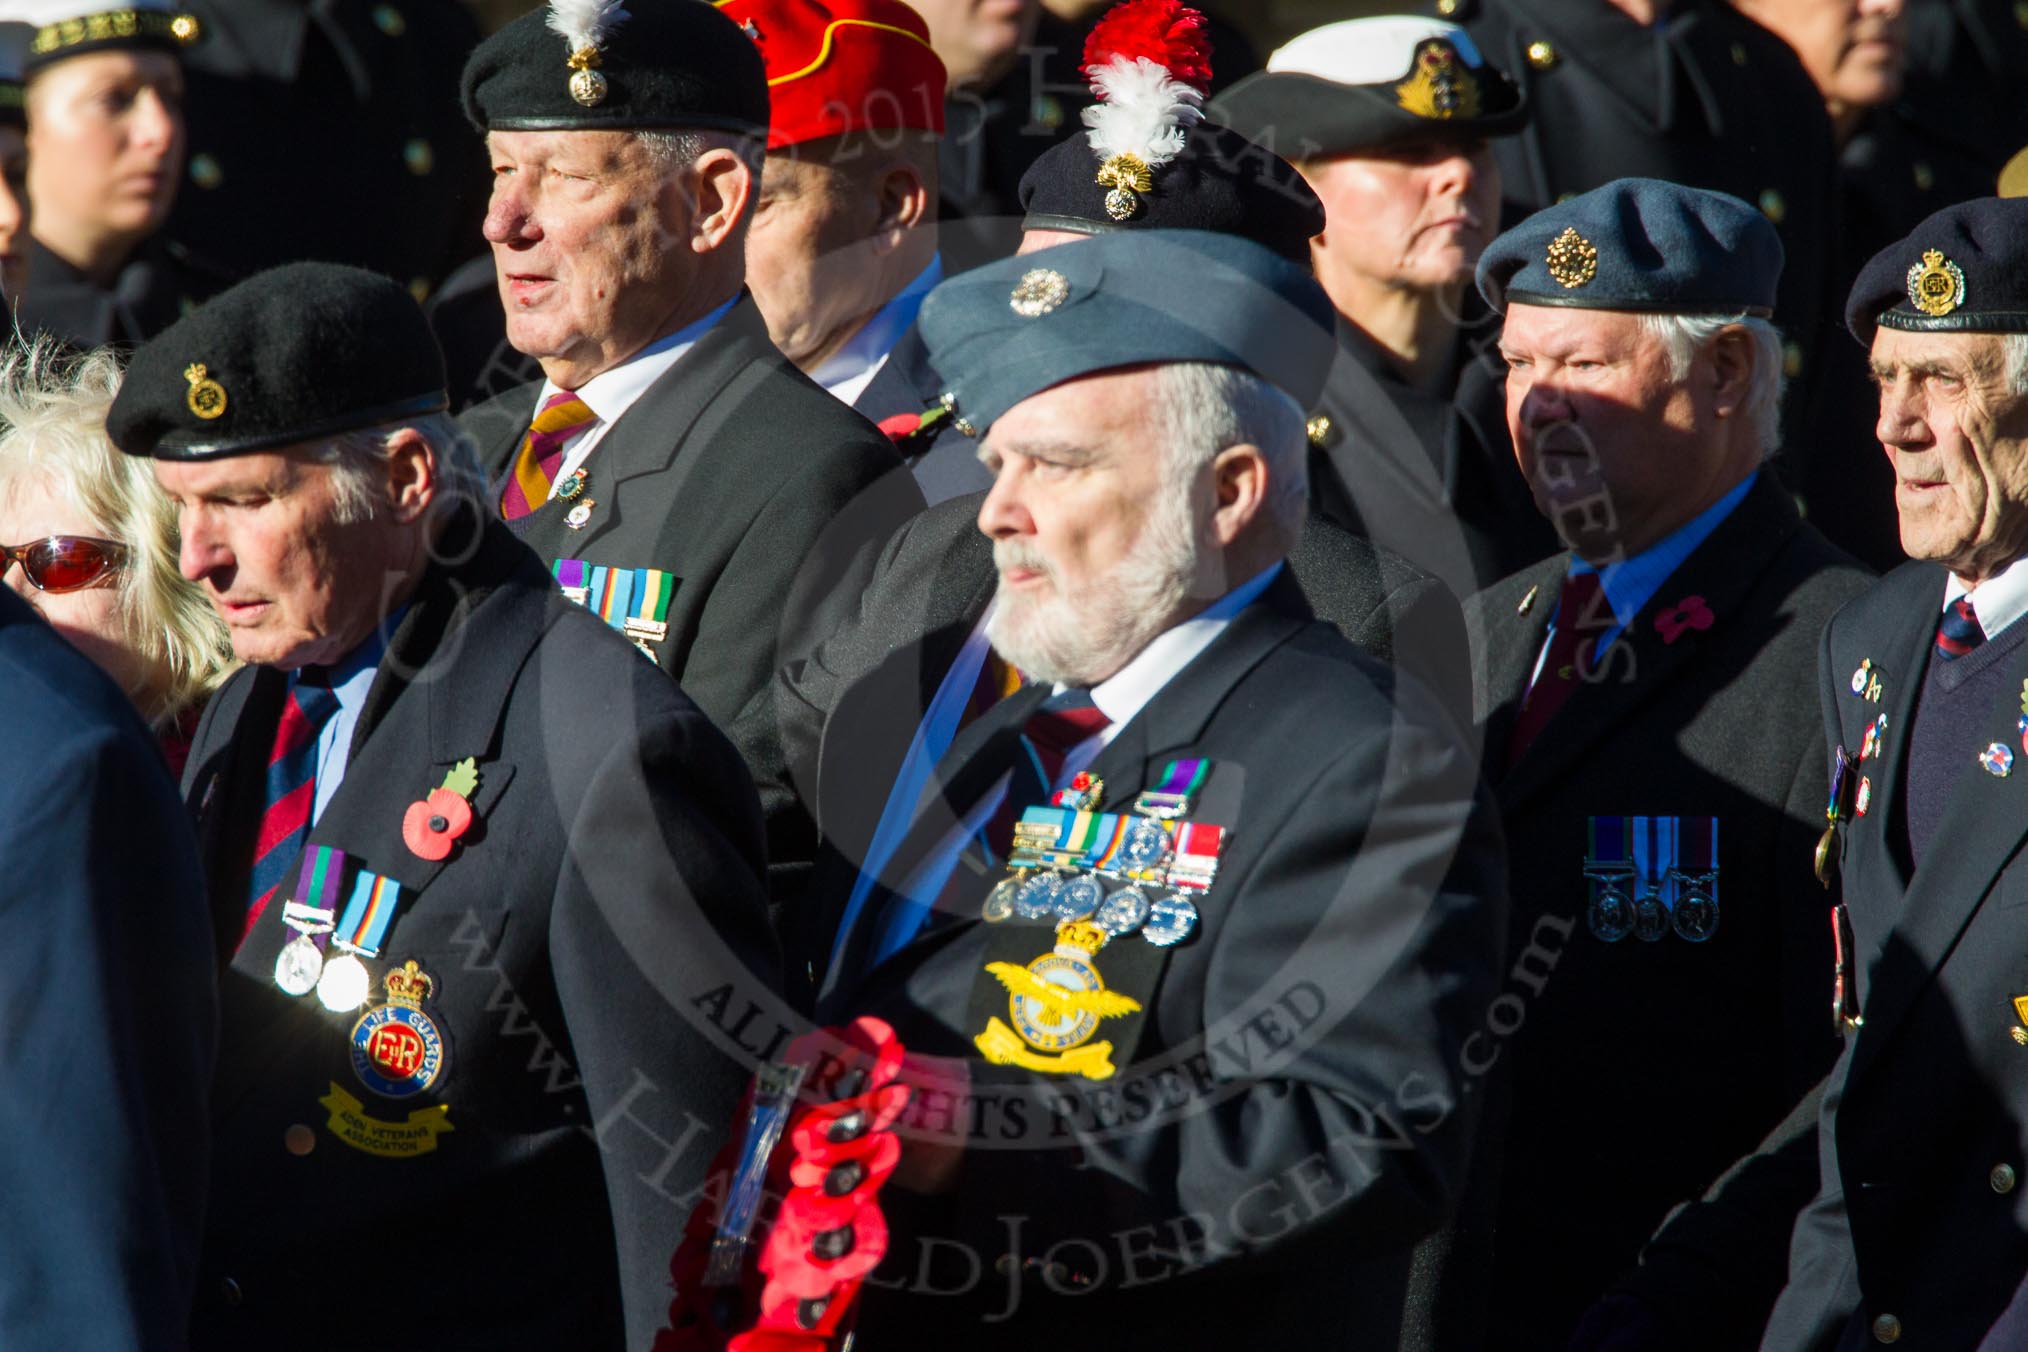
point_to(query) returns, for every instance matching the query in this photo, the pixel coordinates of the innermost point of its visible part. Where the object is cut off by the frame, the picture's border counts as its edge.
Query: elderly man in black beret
(1648, 734)
(673, 470)
(1392, 121)
(1918, 1232)
(471, 860)
(1187, 931)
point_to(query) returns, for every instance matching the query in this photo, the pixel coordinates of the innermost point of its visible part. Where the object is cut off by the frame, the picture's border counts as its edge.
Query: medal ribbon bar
(368, 914)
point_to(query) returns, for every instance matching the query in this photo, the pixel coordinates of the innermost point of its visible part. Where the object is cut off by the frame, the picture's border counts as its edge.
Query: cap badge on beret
(584, 25)
(1936, 285)
(1571, 259)
(1127, 176)
(1439, 85)
(1149, 63)
(1039, 291)
(206, 397)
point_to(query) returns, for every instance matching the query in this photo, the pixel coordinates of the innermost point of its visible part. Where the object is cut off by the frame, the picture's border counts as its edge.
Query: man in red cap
(843, 245)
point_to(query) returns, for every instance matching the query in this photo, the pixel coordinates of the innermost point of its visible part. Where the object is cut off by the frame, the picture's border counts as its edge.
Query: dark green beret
(1641, 245)
(1220, 181)
(60, 29)
(1011, 329)
(1368, 84)
(1964, 270)
(297, 353)
(657, 63)
(13, 50)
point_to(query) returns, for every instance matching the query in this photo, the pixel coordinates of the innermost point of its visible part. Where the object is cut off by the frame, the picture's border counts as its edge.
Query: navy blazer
(108, 1012)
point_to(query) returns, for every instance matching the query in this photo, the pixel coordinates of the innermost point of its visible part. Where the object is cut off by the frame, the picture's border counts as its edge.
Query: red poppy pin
(1689, 613)
(432, 826)
(905, 430)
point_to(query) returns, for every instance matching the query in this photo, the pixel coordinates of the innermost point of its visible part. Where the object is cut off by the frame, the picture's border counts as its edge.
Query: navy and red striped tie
(292, 789)
(1959, 631)
(1058, 726)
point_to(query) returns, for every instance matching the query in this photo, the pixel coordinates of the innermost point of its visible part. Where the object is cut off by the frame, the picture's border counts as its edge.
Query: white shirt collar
(847, 372)
(1125, 693)
(1998, 601)
(610, 394)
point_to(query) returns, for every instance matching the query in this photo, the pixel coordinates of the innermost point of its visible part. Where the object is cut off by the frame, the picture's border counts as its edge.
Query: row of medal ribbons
(1649, 877)
(1126, 873)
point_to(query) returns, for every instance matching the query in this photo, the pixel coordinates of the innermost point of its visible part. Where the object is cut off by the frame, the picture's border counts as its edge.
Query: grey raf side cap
(1014, 328)
(1639, 245)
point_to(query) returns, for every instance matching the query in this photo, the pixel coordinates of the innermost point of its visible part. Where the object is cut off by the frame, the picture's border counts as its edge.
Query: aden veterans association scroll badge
(397, 1050)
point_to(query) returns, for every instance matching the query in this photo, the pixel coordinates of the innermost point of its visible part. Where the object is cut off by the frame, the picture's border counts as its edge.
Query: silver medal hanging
(344, 984)
(299, 965)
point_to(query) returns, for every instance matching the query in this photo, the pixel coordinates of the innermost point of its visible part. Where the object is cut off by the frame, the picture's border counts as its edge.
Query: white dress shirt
(847, 372)
(611, 393)
(1998, 601)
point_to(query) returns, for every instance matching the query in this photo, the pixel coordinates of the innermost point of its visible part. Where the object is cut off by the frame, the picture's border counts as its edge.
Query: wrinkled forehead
(1962, 354)
(589, 148)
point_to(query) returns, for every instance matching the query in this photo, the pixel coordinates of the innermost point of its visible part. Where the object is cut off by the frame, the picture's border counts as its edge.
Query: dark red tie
(1062, 723)
(1581, 616)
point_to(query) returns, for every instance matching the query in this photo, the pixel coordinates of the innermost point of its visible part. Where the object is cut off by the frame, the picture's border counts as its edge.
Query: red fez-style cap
(838, 66)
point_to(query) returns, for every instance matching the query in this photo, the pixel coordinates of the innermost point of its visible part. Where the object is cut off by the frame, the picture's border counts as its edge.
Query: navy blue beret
(297, 353)
(1964, 270)
(1221, 181)
(1642, 245)
(1014, 328)
(655, 63)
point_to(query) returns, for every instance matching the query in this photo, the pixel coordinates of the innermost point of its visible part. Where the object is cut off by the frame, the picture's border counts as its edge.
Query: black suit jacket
(1914, 1219)
(109, 1009)
(1308, 1034)
(1640, 1071)
(828, 736)
(766, 497)
(608, 884)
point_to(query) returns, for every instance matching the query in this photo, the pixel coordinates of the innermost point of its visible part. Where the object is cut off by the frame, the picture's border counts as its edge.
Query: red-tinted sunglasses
(64, 563)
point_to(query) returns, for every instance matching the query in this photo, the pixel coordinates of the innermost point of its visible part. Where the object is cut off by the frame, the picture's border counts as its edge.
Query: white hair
(1683, 335)
(356, 459)
(2014, 362)
(677, 149)
(1205, 408)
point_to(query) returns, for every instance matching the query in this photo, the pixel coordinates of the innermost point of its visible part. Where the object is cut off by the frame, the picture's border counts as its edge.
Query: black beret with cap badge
(594, 65)
(294, 354)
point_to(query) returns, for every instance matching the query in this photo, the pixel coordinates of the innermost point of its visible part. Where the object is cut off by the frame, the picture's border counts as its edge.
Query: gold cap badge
(1039, 291)
(1126, 175)
(1936, 286)
(587, 86)
(1439, 85)
(206, 397)
(1571, 259)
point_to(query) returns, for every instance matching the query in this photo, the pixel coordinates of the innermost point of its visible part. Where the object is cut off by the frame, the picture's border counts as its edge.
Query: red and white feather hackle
(1149, 64)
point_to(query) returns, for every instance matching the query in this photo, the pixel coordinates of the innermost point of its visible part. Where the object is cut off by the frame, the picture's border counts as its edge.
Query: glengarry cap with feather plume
(1159, 163)
(611, 65)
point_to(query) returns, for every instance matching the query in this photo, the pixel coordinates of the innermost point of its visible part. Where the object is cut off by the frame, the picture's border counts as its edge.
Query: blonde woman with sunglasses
(90, 541)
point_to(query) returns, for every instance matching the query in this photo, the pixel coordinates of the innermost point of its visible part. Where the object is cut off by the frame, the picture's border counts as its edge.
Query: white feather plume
(585, 23)
(1141, 111)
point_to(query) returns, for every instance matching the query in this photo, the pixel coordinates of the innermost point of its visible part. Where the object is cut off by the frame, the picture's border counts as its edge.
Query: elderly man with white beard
(1186, 933)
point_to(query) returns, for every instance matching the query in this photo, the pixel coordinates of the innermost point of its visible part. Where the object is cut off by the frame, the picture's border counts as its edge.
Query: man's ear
(1731, 352)
(903, 203)
(725, 186)
(412, 475)
(1239, 485)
